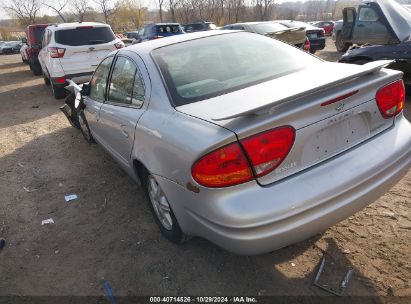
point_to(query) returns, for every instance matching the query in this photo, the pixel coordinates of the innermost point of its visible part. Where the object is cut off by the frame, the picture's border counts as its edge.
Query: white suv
(73, 51)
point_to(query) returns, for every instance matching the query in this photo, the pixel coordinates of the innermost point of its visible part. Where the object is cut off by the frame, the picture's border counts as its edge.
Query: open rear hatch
(331, 112)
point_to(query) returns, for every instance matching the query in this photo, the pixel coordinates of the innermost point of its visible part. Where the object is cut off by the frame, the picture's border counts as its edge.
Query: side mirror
(24, 40)
(85, 91)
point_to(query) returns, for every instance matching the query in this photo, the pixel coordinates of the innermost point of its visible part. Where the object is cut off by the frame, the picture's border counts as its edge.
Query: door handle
(124, 130)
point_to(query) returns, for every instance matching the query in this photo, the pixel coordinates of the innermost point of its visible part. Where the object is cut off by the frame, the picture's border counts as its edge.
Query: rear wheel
(162, 212)
(58, 92)
(340, 44)
(46, 80)
(36, 68)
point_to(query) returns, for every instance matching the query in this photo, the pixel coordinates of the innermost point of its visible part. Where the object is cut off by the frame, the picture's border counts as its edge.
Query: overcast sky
(3, 14)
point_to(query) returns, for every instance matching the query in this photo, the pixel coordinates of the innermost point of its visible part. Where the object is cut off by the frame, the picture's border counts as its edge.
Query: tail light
(391, 98)
(232, 165)
(56, 52)
(223, 167)
(321, 33)
(307, 45)
(119, 45)
(156, 37)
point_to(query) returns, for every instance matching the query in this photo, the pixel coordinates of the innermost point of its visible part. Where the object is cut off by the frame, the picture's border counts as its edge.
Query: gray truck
(374, 22)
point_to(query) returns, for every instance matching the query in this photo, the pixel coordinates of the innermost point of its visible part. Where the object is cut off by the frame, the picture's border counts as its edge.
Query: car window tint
(168, 29)
(204, 68)
(121, 85)
(98, 82)
(85, 35)
(367, 14)
(138, 91)
(38, 34)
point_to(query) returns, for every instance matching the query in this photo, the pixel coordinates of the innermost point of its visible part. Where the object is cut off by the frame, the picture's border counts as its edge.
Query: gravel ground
(108, 234)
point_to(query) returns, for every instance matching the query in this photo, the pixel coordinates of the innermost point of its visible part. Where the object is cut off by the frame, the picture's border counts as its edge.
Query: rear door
(126, 102)
(369, 27)
(349, 15)
(85, 47)
(97, 96)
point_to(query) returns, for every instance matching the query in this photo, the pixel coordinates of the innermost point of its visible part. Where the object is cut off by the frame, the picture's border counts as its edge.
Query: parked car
(158, 30)
(34, 36)
(23, 51)
(400, 52)
(314, 34)
(327, 26)
(199, 26)
(374, 22)
(244, 140)
(73, 51)
(10, 47)
(295, 36)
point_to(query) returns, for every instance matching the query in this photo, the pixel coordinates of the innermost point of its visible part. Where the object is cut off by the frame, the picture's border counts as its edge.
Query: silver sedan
(244, 140)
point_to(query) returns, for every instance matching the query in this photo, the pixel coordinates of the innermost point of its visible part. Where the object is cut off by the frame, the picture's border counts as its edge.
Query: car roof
(73, 25)
(164, 23)
(145, 48)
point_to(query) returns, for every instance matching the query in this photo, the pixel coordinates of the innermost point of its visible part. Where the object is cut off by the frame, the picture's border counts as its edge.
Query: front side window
(122, 79)
(204, 68)
(367, 14)
(98, 82)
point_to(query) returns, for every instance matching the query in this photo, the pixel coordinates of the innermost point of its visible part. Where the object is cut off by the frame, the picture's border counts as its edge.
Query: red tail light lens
(391, 98)
(56, 52)
(223, 167)
(268, 149)
(229, 165)
(156, 37)
(307, 45)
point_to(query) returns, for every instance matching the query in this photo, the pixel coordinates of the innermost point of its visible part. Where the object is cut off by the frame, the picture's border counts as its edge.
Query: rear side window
(168, 29)
(84, 35)
(38, 34)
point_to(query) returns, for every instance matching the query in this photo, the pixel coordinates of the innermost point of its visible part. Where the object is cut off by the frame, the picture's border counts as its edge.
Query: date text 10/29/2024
(200, 299)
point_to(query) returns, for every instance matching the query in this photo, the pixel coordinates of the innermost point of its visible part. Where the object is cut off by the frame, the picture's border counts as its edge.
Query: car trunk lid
(331, 113)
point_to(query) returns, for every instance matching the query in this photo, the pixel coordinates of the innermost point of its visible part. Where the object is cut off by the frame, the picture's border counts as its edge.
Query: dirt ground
(108, 234)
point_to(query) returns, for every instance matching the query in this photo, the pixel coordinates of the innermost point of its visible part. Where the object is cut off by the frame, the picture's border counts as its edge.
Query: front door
(97, 95)
(348, 23)
(124, 106)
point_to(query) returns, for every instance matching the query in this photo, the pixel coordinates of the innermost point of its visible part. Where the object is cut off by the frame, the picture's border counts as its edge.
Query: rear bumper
(317, 44)
(250, 219)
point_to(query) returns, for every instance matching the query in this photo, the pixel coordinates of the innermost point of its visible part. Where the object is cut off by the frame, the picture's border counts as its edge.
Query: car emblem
(91, 48)
(340, 107)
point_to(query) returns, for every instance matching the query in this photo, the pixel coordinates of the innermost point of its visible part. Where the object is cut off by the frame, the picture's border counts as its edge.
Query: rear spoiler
(368, 68)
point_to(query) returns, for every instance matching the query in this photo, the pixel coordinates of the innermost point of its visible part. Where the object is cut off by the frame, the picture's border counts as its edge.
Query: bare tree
(105, 8)
(80, 8)
(160, 7)
(25, 11)
(58, 6)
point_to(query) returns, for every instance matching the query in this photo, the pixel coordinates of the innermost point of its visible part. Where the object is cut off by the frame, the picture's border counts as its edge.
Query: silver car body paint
(312, 189)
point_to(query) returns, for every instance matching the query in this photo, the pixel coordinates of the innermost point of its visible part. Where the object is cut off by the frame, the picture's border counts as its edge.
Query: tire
(85, 130)
(58, 92)
(36, 68)
(46, 80)
(162, 212)
(341, 46)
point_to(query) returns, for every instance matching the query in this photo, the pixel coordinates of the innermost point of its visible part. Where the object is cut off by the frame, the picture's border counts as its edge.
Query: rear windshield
(204, 68)
(168, 29)
(38, 34)
(264, 28)
(84, 36)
